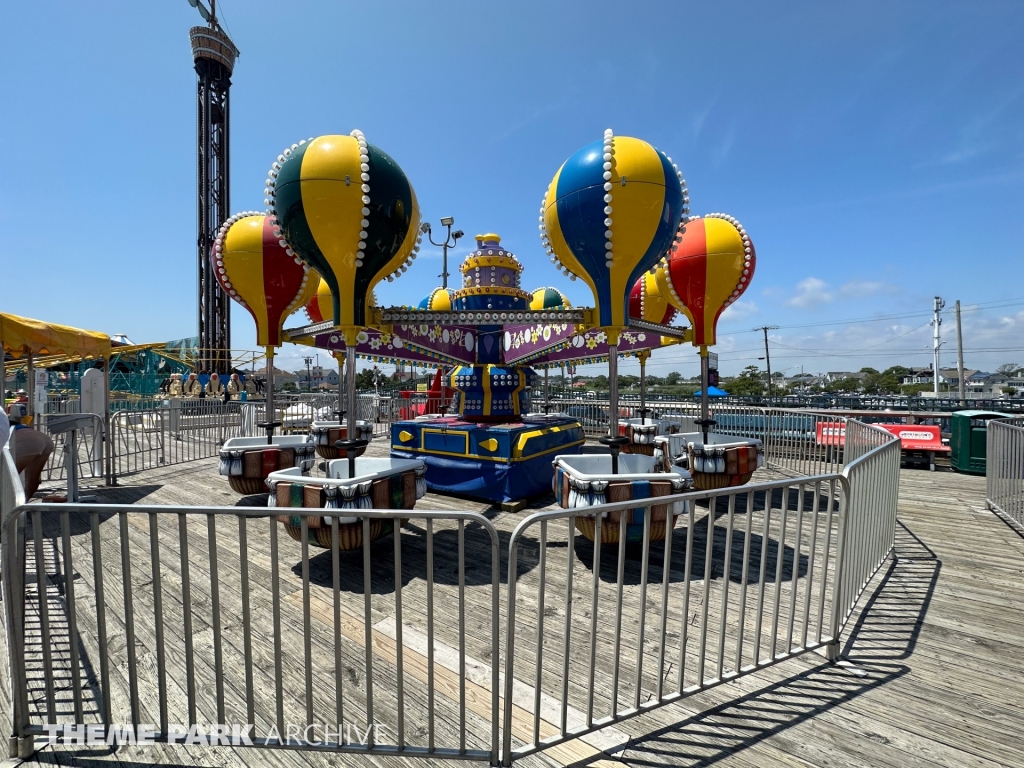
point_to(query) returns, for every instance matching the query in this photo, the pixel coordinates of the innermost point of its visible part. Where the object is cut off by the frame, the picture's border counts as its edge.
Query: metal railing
(150, 614)
(749, 577)
(184, 430)
(238, 625)
(90, 453)
(1004, 469)
(872, 473)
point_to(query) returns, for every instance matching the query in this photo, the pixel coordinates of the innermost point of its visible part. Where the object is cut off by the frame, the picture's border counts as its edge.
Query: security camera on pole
(447, 221)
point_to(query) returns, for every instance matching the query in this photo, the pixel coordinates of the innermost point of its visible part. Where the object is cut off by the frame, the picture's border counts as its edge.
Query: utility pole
(960, 358)
(767, 357)
(936, 342)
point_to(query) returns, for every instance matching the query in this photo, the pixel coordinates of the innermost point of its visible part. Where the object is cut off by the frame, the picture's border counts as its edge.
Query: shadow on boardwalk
(882, 638)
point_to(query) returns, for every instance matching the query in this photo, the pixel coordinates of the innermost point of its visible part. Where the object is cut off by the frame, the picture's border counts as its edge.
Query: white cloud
(811, 293)
(739, 311)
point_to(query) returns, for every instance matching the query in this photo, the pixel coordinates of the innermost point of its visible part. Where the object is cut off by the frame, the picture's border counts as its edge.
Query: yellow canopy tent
(24, 336)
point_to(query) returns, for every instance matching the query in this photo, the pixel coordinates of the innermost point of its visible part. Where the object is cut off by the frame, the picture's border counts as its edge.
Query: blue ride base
(496, 462)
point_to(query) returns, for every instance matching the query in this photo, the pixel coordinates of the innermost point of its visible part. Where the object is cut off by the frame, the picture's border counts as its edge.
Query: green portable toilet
(968, 432)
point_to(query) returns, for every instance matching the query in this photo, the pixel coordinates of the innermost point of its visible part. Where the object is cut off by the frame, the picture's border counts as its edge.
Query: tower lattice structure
(214, 55)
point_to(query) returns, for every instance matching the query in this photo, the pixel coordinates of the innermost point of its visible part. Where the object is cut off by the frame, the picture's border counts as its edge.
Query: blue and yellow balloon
(611, 213)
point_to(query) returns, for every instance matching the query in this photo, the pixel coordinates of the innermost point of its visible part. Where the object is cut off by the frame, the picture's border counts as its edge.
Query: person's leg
(32, 449)
(33, 467)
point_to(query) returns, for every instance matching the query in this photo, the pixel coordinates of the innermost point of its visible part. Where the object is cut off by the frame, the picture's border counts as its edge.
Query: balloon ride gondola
(710, 267)
(611, 213)
(257, 271)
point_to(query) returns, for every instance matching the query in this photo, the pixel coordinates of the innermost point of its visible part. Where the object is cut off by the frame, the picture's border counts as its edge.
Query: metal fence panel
(187, 616)
(1004, 469)
(606, 633)
(871, 497)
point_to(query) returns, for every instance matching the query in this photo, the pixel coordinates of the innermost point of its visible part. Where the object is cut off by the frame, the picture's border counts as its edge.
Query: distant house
(834, 376)
(280, 377)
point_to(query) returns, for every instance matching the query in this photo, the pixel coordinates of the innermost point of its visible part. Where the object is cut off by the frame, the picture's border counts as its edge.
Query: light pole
(309, 379)
(447, 221)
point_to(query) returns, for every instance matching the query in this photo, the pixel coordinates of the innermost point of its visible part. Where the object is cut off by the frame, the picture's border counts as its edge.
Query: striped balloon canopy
(707, 271)
(439, 300)
(610, 214)
(321, 306)
(647, 303)
(347, 210)
(549, 298)
(256, 271)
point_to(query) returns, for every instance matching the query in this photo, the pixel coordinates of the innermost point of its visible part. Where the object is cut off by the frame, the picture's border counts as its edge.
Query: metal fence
(184, 430)
(88, 446)
(1004, 469)
(872, 476)
(151, 614)
(749, 577)
(184, 617)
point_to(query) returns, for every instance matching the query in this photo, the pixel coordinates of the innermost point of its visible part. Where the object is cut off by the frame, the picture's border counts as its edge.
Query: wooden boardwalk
(933, 670)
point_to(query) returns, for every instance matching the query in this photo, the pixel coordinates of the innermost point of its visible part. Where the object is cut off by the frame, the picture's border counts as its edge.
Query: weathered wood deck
(933, 671)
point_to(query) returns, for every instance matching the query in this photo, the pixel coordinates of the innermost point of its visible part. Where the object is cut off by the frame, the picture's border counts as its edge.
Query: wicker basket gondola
(350, 535)
(643, 449)
(610, 528)
(709, 481)
(247, 486)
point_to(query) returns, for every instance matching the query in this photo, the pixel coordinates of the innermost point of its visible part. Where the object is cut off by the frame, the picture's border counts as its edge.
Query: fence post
(846, 498)
(12, 568)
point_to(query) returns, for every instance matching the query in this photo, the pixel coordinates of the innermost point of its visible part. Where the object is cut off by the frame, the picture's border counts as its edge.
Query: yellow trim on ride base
(487, 389)
(521, 440)
(426, 430)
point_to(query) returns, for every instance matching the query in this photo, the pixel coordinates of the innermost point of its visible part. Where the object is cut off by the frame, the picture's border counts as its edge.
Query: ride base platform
(499, 462)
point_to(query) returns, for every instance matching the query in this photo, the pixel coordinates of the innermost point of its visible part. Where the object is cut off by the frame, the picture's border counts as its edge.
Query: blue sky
(874, 151)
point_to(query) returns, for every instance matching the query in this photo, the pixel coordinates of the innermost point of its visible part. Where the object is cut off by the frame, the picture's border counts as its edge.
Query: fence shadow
(414, 558)
(773, 548)
(883, 637)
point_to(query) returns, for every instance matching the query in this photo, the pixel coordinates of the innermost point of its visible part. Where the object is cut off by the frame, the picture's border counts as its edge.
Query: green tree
(880, 383)
(673, 378)
(1008, 369)
(748, 384)
(843, 385)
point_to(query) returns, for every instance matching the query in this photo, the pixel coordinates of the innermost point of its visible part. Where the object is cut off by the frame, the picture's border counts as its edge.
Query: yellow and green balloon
(348, 211)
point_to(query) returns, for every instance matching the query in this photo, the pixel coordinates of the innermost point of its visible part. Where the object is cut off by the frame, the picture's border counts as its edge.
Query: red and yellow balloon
(709, 269)
(254, 269)
(647, 303)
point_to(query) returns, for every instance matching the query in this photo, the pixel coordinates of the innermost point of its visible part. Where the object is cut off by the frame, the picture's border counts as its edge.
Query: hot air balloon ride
(708, 270)
(255, 270)
(611, 213)
(347, 210)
